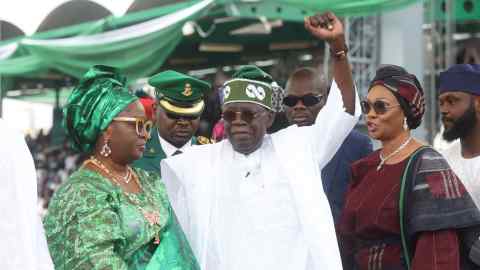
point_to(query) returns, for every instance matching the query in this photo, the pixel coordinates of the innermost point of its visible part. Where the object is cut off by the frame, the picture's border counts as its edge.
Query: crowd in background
(53, 162)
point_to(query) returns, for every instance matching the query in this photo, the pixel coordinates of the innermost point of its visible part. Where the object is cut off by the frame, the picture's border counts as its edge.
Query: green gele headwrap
(249, 84)
(100, 96)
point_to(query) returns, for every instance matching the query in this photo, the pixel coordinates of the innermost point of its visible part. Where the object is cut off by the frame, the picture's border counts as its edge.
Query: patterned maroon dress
(369, 229)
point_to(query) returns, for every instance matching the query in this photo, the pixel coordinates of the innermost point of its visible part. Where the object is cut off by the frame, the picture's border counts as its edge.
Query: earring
(405, 124)
(106, 150)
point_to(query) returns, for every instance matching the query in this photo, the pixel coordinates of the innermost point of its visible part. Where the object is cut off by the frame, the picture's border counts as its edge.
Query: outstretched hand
(325, 27)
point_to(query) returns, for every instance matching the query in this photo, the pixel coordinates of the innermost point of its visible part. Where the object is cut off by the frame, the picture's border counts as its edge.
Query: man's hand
(326, 27)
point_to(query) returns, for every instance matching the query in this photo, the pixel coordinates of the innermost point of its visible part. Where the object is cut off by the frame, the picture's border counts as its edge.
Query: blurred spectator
(213, 112)
(147, 102)
(53, 164)
(218, 132)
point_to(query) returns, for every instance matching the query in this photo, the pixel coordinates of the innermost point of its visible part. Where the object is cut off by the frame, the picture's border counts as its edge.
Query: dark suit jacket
(336, 174)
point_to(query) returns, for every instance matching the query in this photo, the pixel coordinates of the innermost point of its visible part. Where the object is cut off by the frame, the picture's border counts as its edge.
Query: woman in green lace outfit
(108, 215)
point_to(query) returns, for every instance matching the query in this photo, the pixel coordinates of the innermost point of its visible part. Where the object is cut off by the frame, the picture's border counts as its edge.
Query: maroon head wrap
(406, 88)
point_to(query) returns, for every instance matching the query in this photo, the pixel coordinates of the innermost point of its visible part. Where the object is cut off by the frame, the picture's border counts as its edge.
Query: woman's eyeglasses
(142, 126)
(307, 100)
(247, 116)
(379, 106)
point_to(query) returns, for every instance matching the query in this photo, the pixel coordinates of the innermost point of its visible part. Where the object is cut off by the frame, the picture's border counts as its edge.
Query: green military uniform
(178, 94)
(154, 153)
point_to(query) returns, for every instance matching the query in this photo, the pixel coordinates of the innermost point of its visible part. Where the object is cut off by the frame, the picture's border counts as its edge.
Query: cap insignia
(188, 90)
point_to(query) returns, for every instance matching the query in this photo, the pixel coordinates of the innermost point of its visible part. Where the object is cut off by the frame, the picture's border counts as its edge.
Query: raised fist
(326, 27)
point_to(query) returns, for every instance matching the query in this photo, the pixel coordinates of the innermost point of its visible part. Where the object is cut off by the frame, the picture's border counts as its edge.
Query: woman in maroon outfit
(437, 208)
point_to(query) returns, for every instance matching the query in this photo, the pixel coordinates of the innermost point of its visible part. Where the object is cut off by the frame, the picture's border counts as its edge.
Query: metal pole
(433, 73)
(57, 97)
(449, 31)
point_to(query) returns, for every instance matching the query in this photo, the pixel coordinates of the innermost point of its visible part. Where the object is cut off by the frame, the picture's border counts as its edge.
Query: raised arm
(327, 27)
(340, 113)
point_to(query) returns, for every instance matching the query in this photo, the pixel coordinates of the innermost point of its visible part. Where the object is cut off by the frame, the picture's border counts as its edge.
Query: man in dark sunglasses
(307, 92)
(255, 200)
(179, 104)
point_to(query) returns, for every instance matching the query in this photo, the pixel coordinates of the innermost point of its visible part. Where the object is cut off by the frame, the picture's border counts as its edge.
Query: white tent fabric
(28, 19)
(8, 50)
(131, 32)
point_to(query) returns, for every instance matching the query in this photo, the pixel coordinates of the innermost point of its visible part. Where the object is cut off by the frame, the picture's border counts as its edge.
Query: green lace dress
(91, 224)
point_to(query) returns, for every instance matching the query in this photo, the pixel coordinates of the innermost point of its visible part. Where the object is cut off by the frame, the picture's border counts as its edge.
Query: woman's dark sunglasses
(379, 106)
(174, 116)
(247, 116)
(307, 100)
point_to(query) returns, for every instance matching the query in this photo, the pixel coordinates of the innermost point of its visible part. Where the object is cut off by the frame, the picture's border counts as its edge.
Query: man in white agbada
(459, 101)
(22, 240)
(256, 201)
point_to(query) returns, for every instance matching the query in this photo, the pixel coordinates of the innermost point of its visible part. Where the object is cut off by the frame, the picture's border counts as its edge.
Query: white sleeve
(23, 244)
(323, 139)
(176, 189)
(332, 126)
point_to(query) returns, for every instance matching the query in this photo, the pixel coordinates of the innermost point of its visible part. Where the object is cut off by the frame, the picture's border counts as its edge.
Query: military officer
(179, 104)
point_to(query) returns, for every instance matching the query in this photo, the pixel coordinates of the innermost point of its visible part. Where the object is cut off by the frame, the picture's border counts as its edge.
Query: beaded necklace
(152, 217)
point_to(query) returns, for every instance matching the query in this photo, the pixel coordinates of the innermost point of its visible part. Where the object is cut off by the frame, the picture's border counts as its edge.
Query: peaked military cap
(179, 93)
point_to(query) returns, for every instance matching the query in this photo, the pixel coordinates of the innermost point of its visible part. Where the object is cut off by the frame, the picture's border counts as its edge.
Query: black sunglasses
(307, 100)
(174, 116)
(379, 106)
(247, 116)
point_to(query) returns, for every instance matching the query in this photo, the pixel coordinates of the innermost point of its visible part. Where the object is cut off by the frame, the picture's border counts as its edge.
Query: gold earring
(106, 150)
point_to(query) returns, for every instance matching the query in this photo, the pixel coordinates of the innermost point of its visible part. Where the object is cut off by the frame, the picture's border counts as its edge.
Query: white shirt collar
(169, 149)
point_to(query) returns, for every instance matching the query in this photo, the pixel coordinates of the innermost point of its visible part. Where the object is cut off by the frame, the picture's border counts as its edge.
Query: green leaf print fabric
(91, 224)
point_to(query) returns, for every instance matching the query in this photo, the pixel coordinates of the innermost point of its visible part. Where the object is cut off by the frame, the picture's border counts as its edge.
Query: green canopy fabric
(139, 43)
(137, 50)
(296, 10)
